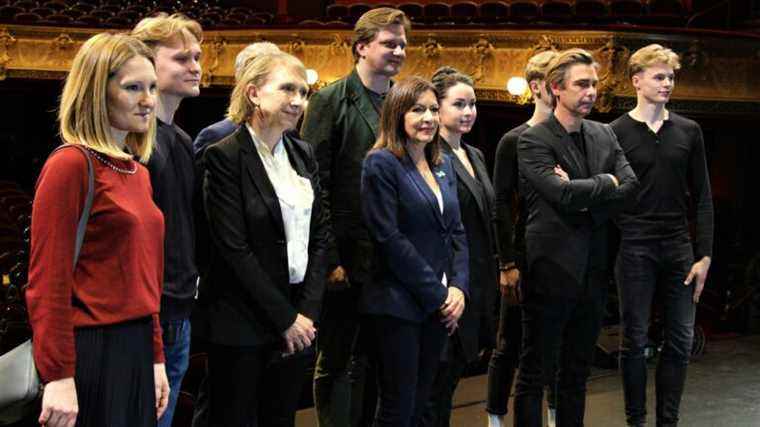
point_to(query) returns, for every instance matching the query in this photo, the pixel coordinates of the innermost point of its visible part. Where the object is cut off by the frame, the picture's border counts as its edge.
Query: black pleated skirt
(114, 375)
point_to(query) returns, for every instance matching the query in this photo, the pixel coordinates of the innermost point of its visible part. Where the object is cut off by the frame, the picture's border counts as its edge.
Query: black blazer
(567, 221)
(416, 245)
(245, 299)
(478, 224)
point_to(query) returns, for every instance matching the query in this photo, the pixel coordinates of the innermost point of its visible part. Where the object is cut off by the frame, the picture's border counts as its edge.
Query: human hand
(299, 335)
(561, 173)
(508, 280)
(614, 180)
(338, 279)
(161, 383)
(59, 404)
(698, 271)
(452, 308)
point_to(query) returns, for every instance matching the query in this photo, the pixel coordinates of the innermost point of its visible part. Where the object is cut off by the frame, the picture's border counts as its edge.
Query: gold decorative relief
(217, 48)
(483, 51)
(59, 50)
(339, 46)
(297, 46)
(431, 49)
(612, 73)
(6, 41)
(544, 43)
(491, 58)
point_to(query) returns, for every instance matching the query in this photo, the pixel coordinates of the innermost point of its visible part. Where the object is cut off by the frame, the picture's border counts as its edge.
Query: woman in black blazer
(263, 290)
(456, 97)
(419, 287)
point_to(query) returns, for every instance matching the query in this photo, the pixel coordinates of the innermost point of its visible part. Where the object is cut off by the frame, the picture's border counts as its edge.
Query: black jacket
(567, 221)
(476, 205)
(246, 298)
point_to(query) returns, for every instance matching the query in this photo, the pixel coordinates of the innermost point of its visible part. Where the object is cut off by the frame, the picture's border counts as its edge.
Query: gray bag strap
(82, 226)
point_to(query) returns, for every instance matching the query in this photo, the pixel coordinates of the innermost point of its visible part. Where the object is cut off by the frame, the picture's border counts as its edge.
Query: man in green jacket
(341, 122)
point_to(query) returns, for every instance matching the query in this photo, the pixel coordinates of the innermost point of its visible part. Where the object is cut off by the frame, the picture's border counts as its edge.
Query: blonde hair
(257, 72)
(556, 71)
(651, 55)
(83, 110)
(374, 21)
(251, 51)
(538, 64)
(163, 28)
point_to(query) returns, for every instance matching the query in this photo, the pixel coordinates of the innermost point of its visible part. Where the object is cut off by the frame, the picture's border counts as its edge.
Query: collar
(262, 148)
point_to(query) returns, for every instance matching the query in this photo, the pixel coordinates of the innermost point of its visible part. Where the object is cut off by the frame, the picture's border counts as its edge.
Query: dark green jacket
(341, 123)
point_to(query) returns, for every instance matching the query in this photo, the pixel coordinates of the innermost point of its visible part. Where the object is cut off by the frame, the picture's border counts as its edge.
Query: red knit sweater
(119, 272)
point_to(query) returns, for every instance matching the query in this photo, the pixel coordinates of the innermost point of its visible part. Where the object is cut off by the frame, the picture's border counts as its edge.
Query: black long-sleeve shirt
(507, 202)
(172, 175)
(672, 171)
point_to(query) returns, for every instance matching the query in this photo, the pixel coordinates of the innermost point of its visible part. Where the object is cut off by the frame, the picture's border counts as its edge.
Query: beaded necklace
(108, 163)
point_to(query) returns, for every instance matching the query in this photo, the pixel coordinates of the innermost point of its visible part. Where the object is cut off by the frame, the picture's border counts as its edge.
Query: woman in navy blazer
(409, 203)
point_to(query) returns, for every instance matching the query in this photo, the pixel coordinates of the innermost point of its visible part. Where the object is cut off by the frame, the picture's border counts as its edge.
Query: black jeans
(505, 358)
(407, 356)
(643, 270)
(558, 331)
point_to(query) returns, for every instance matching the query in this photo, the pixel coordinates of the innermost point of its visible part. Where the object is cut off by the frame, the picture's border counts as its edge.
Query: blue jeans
(177, 353)
(646, 270)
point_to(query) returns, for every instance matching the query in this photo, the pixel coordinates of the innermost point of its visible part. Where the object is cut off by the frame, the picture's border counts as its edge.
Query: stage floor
(722, 390)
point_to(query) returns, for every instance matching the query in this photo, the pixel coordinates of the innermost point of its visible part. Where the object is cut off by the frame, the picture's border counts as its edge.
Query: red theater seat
(626, 10)
(526, 11)
(414, 11)
(437, 12)
(494, 12)
(591, 9)
(464, 12)
(557, 10)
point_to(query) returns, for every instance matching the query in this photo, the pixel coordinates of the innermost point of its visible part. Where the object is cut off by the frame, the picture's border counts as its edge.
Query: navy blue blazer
(212, 134)
(415, 244)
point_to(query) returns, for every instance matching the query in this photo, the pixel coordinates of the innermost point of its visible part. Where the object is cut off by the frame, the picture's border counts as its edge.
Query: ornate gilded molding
(6, 40)
(211, 65)
(715, 69)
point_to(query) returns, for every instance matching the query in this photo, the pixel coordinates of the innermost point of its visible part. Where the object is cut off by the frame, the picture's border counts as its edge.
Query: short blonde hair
(83, 110)
(251, 51)
(257, 72)
(163, 28)
(374, 21)
(650, 55)
(556, 71)
(538, 64)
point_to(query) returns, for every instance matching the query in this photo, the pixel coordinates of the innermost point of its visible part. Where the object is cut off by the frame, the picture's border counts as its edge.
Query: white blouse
(296, 197)
(439, 198)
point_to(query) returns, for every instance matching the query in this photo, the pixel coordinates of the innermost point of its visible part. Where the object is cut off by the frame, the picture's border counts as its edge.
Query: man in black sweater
(573, 174)
(175, 40)
(656, 255)
(511, 240)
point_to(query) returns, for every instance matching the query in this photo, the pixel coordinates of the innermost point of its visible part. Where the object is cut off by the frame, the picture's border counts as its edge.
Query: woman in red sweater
(97, 340)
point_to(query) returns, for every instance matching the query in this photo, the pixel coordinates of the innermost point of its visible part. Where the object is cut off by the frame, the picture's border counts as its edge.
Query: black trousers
(450, 371)
(114, 375)
(558, 332)
(504, 358)
(407, 356)
(253, 386)
(643, 270)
